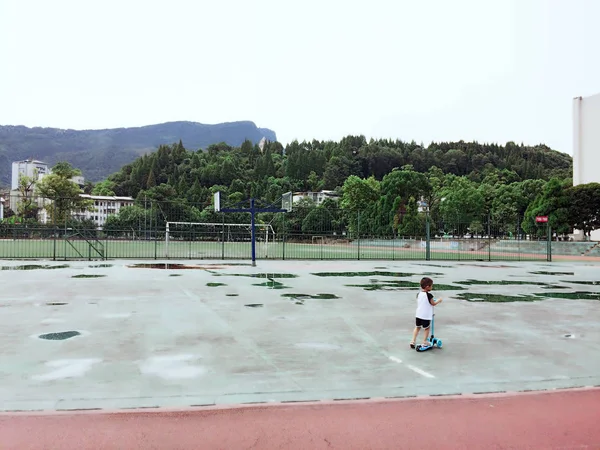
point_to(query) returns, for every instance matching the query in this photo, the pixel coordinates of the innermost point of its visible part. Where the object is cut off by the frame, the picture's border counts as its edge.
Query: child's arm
(435, 302)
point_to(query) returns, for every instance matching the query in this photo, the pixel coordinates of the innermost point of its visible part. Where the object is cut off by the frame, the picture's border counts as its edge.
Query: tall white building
(30, 168)
(586, 146)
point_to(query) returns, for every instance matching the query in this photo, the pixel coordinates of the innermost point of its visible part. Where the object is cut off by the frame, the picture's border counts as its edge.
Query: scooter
(433, 341)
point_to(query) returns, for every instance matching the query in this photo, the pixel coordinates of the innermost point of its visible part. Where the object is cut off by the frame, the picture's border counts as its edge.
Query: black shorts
(422, 323)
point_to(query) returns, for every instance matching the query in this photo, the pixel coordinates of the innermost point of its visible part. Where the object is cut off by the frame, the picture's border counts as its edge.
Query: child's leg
(426, 337)
(415, 334)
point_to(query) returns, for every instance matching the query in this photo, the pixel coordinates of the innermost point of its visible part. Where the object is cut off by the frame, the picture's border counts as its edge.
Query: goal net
(182, 234)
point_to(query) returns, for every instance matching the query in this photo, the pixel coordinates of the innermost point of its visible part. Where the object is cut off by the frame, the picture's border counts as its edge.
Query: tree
(63, 192)
(27, 209)
(553, 201)
(584, 207)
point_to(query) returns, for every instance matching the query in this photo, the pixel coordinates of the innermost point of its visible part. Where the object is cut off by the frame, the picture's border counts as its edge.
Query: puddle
(87, 276)
(541, 272)
(56, 304)
(272, 284)
(254, 305)
(579, 295)
(555, 286)
(101, 266)
(569, 336)
(496, 298)
(175, 275)
(231, 295)
(402, 285)
(215, 284)
(177, 266)
(593, 283)
(501, 282)
(60, 336)
(304, 296)
(34, 267)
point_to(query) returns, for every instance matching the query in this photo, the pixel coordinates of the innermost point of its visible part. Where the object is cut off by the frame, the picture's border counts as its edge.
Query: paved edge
(298, 403)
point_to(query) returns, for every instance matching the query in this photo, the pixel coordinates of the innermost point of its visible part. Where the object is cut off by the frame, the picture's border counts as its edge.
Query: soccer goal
(184, 234)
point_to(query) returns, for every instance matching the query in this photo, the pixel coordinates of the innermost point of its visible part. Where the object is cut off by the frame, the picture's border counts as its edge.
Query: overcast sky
(484, 70)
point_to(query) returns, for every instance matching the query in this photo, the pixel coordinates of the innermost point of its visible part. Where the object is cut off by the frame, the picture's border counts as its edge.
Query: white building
(103, 207)
(29, 168)
(1, 208)
(586, 146)
(317, 197)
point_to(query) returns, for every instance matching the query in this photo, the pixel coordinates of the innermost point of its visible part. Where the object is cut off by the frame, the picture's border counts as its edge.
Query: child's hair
(426, 281)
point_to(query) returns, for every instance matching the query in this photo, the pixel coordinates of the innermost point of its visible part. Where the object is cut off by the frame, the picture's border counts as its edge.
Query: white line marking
(420, 372)
(393, 358)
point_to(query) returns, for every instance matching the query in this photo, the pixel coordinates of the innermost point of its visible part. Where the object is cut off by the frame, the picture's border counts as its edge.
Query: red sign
(541, 219)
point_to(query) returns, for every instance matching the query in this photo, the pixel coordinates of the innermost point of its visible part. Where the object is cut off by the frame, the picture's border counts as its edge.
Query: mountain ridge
(100, 152)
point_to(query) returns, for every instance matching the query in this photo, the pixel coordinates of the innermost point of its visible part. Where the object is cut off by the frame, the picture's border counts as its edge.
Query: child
(424, 314)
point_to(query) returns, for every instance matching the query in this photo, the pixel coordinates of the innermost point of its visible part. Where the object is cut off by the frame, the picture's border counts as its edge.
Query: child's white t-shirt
(424, 308)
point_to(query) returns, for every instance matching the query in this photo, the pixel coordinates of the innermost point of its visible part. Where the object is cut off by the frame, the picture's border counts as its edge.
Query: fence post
(427, 238)
(358, 232)
(223, 237)
(283, 236)
(54, 249)
(489, 239)
(549, 249)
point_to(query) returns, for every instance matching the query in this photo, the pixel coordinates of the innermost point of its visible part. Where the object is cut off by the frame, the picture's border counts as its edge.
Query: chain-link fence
(150, 229)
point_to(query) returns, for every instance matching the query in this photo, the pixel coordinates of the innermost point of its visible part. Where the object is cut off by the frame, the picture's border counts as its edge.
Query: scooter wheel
(439, 343)
(434, 341)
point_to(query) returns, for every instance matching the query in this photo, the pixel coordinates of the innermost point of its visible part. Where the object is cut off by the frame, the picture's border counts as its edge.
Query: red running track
(556, 420)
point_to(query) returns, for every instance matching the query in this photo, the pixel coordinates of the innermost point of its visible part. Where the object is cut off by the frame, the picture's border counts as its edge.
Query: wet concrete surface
(147, 339)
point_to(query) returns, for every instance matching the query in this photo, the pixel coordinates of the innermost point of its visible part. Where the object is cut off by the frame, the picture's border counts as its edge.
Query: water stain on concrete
(267, 276)
(35, 267)
(272, 284)
(177, 266)
(542, 272)
(56, 303)
(496, 298)
(60, 336)
(578, 295)
(402, 285)
(364, 274)
(315, 296)
(501, 282)
(254, 305)
(87, 276)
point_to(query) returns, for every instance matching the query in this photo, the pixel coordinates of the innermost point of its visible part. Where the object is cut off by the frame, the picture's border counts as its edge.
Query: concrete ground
(151, 337)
